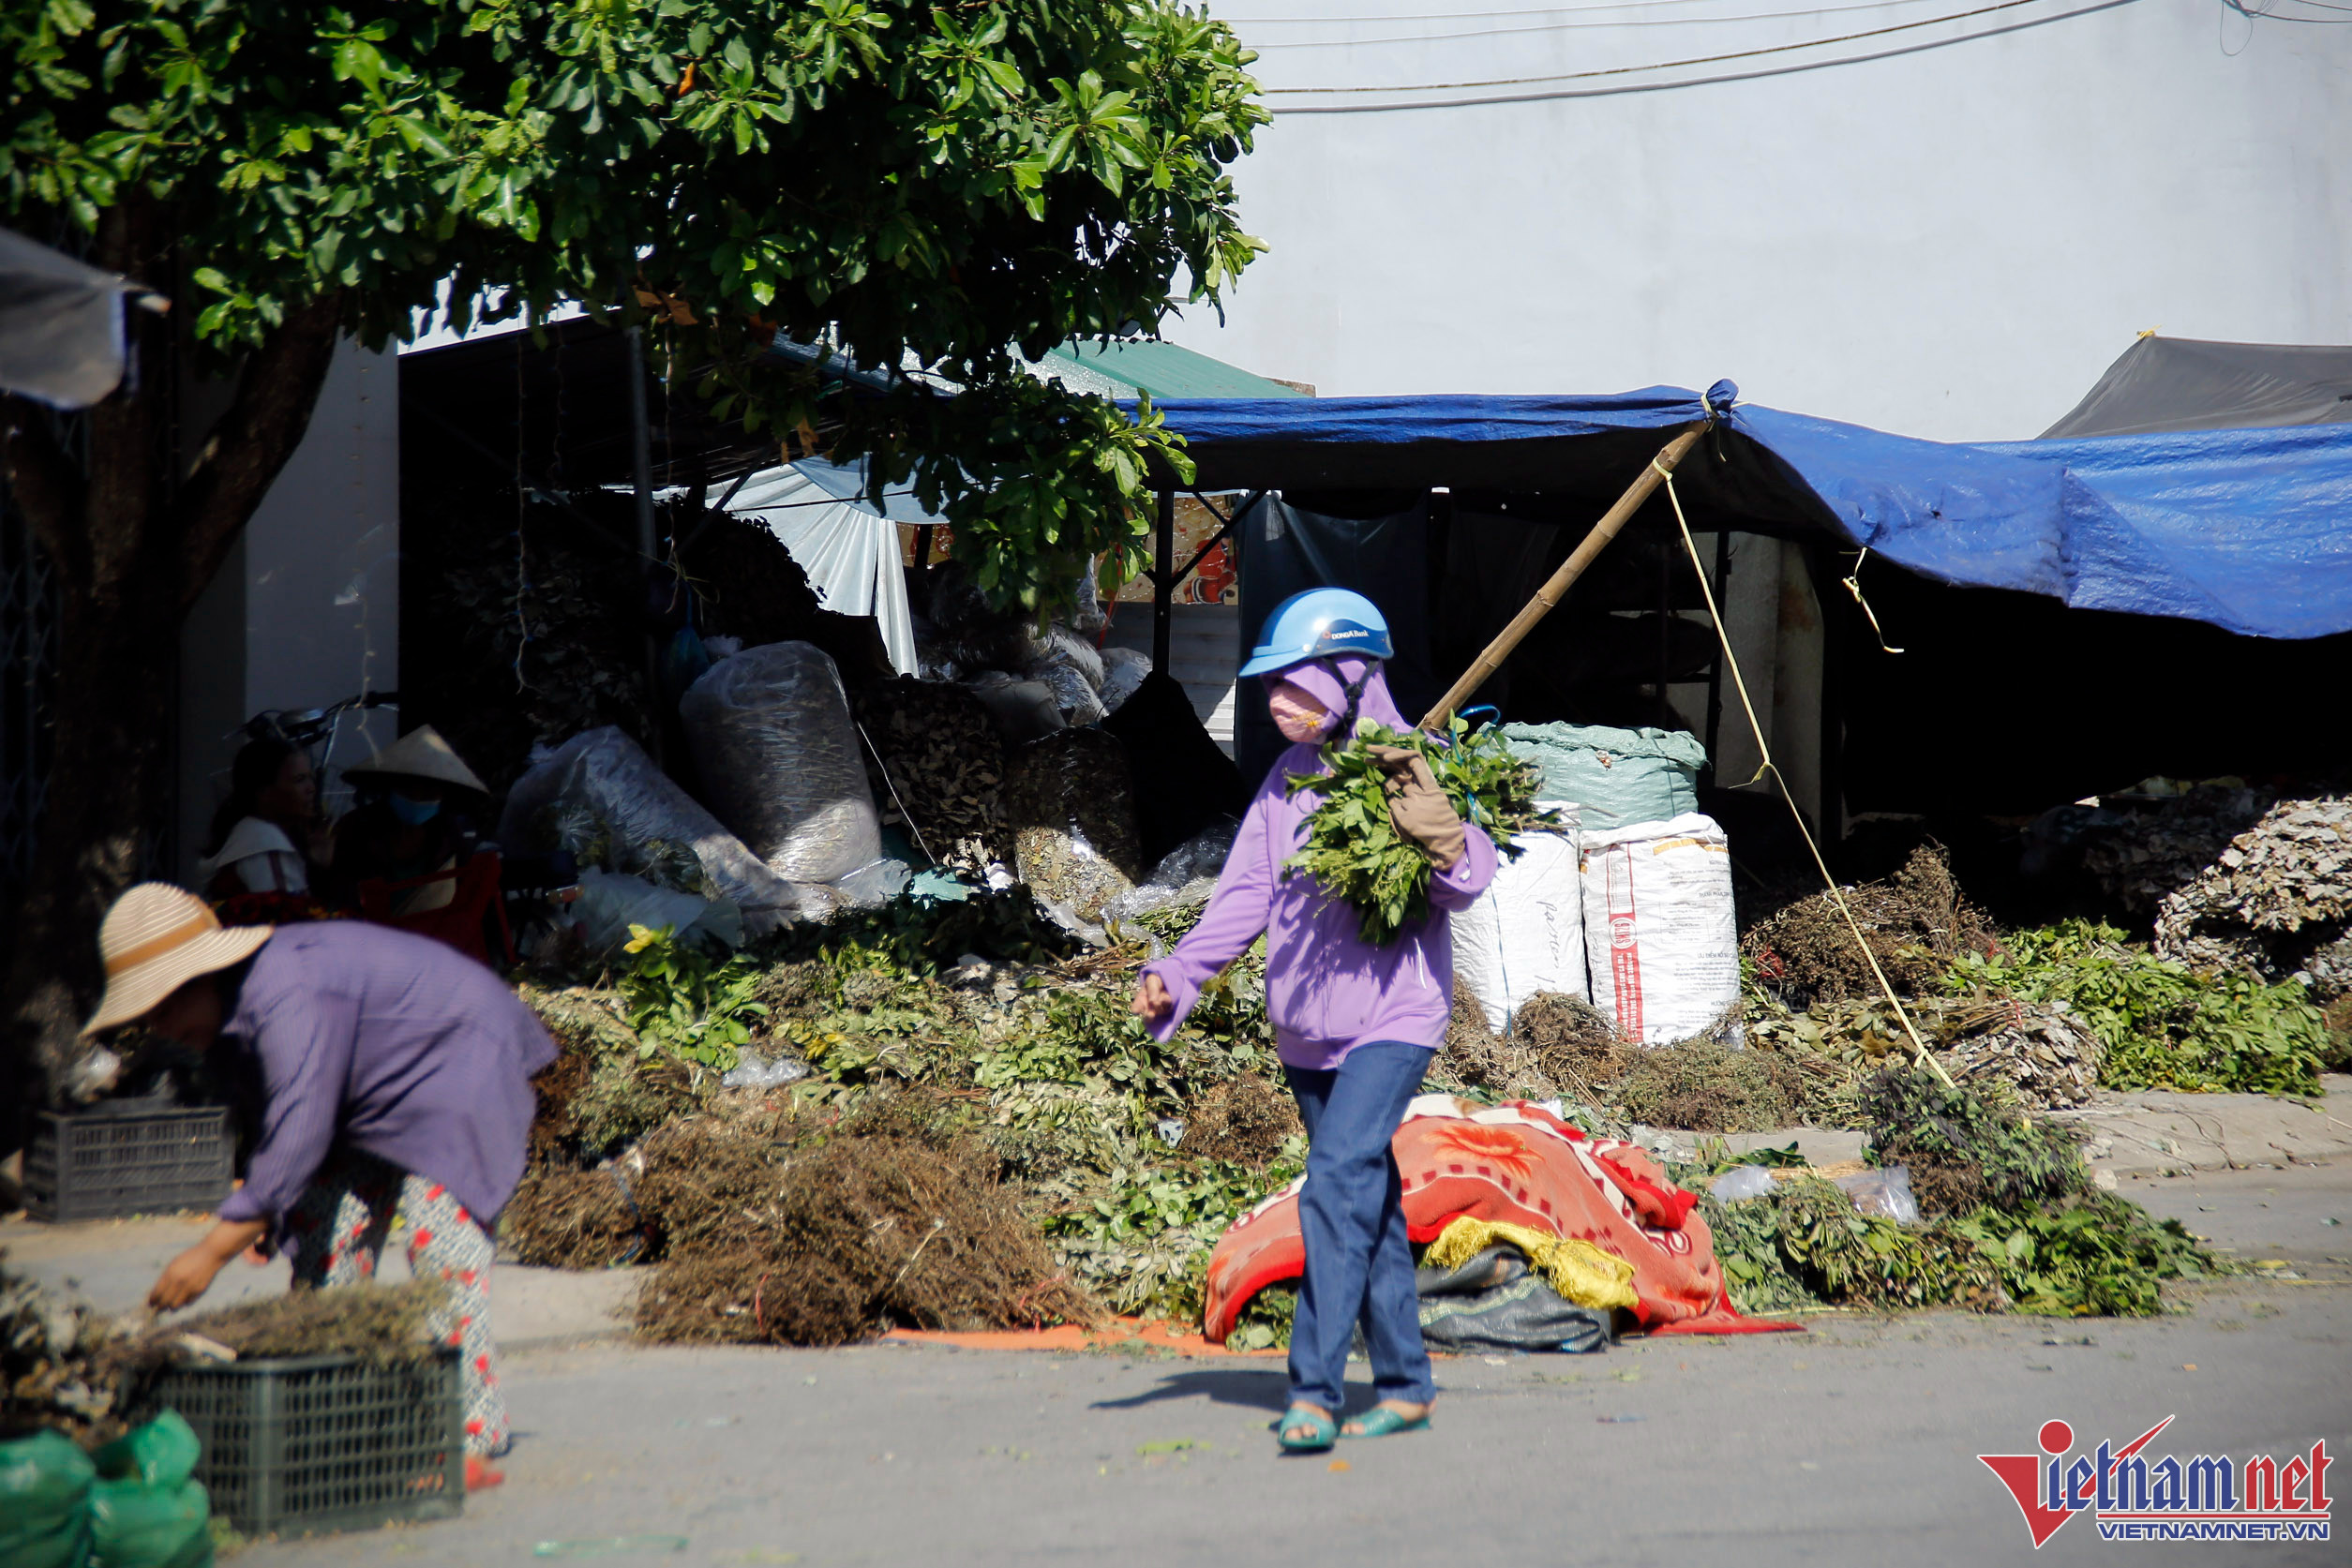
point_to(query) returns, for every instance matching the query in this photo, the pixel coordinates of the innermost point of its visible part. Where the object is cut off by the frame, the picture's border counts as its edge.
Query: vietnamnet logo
(2135, 1498)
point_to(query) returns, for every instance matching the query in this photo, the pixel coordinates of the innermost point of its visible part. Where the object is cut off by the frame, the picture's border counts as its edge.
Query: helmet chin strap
(1345, 728)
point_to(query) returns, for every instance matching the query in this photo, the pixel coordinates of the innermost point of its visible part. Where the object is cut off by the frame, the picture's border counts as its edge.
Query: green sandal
(1322, 1430)
(1382, 1422)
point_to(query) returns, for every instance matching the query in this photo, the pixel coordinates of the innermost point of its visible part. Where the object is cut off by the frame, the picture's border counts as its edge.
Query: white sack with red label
(1660, 935)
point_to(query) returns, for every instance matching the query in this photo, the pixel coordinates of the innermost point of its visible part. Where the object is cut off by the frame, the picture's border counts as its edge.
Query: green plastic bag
(45, 1503)
(1618, 777)
(144, 1511)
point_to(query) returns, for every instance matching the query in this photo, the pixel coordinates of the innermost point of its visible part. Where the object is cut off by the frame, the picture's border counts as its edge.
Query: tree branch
(44, 484)
(276, 390)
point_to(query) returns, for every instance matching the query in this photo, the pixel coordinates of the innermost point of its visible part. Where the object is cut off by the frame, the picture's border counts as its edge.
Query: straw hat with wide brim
(154, 940)
(421, 754)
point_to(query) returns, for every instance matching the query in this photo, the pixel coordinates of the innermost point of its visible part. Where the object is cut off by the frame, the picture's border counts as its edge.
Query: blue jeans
(1350, 1215)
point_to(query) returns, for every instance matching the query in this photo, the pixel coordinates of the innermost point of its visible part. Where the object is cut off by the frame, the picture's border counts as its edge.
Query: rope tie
(1854, 586)
(1767, 767)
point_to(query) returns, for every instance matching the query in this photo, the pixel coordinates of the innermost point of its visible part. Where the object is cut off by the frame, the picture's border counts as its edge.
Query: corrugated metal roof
(1162, 369)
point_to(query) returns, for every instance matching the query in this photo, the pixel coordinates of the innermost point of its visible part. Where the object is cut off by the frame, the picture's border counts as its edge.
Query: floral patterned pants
(337, 1229)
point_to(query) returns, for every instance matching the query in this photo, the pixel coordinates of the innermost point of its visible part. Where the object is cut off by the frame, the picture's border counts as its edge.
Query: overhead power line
(1457, 16)
(1662, 64)
(2306, 20)
(1720, 78)
(1565, 26)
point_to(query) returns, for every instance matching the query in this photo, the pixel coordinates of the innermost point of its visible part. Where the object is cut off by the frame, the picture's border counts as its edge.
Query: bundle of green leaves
(1804, 1246)
(1963, 1153)
(681, 998)
(2164, 1025)
(1354, 851)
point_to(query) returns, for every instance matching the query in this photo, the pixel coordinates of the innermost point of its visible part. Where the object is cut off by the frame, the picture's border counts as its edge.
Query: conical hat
(421, 754)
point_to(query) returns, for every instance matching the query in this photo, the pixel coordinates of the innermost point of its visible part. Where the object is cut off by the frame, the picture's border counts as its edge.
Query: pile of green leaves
(1964, 1153)
(2096, 1255)
(1354, 852)
(1804, 1247)
(681, 999)
(912, 935)
(2164, 1024)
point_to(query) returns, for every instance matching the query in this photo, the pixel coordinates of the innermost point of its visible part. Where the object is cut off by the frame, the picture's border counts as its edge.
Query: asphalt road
(1853, 1443)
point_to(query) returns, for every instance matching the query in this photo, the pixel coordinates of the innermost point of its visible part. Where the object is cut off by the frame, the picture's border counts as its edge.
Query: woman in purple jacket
(1356, 1025)
(392, 1076)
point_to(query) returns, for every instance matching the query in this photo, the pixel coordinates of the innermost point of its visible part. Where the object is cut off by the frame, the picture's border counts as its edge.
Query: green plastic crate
(307, 1444)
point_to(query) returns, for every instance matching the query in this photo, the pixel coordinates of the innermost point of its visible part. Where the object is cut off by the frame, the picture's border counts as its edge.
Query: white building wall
(306, 611)
(1952, 244)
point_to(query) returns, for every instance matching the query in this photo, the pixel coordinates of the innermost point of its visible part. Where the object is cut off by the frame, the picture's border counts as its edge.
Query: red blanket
(1520, 1164)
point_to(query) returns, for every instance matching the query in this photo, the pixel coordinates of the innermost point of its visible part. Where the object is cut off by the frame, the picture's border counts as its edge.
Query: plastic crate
(314, 1443)
(105, 1163)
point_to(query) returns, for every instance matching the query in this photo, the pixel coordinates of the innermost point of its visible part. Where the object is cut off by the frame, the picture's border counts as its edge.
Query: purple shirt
(391, 1043)
(1326, 990)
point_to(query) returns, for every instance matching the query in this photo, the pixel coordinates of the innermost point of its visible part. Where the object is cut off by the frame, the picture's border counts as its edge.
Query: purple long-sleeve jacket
(1326, 990)
(394, 1045)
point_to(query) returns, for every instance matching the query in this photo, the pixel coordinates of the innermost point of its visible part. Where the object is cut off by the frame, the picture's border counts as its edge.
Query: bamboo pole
(1653, 473)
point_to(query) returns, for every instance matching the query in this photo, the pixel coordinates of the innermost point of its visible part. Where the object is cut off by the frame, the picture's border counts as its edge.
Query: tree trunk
(107, 795)
(133, 550)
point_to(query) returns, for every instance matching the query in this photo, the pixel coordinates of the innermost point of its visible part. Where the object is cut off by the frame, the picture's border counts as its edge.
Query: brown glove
(1419, 808)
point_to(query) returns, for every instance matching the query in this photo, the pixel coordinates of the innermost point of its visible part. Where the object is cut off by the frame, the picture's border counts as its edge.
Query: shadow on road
(1267, 1390)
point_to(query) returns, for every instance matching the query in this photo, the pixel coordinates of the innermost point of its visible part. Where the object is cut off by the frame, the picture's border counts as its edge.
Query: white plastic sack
(1123, 670)
(1659, 927)
(779, 759)
(609, 903)
(1525, 933)
(604, 774)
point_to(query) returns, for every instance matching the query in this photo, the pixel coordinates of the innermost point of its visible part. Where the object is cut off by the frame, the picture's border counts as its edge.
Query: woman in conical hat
(417, 801)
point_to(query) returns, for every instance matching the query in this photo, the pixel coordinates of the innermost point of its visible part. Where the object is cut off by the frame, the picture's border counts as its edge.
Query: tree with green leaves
(933, 189)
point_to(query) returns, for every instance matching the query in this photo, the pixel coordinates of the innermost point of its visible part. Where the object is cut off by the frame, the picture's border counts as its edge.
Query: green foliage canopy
(920, 188)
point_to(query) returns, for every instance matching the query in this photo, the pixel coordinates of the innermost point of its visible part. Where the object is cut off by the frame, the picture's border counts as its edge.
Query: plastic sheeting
(2184, 384)
(607, 776)
(850, 552)
(2248, 529)
(61, 325)
(779, 757)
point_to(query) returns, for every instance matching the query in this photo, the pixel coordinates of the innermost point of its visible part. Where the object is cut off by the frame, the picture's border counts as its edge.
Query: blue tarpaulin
(2248, 529)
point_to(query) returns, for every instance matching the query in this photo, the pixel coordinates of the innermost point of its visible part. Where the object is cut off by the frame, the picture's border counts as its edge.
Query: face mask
(414, 812)
(1297, 713)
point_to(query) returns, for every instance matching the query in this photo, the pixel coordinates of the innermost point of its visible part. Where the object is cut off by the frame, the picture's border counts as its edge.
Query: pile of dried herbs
(1123, 1159)
(1354, 852)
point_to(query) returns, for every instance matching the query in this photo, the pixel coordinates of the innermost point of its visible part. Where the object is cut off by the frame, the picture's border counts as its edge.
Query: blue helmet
(1319, 623)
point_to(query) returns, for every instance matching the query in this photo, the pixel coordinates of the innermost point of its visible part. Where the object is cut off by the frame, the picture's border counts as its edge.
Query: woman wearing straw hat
(393, 1077)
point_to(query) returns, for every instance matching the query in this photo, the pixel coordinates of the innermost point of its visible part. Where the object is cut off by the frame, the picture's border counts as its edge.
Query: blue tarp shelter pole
(1653, 473)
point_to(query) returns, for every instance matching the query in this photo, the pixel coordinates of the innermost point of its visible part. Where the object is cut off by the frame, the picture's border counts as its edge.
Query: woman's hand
(1152, 1001)
(1419, 808)
(183, 1278)
(190, 1274)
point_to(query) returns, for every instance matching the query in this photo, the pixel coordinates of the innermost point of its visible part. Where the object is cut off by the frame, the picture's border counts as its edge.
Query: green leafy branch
(1353, 850)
